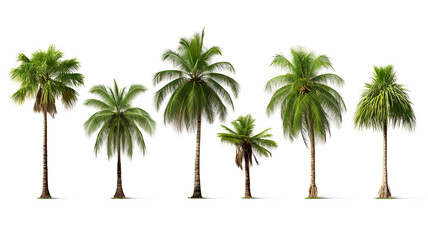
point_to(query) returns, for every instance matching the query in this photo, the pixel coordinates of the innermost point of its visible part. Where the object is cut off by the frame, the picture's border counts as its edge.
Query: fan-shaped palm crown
(383, 102)
(118, 122)
(246, 143)
(195, 85)
(46, 77)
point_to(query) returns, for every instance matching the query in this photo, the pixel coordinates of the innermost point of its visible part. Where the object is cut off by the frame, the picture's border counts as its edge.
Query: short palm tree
(384, 102)
(119, 123)
(46, 77)
(247, 144)
(305, 99)
(196, 90)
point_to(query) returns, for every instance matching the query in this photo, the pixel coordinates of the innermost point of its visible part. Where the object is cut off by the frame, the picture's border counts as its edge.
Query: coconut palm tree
(196, 90)
(384, 102)
(119, 123)
(247, 144)
(306, 101)
(46, 77)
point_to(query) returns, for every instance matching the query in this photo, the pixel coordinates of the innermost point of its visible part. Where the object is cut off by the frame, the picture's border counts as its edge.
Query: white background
(124, 40)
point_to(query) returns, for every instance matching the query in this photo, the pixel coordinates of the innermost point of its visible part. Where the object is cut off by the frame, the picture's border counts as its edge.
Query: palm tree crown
(45, 77)
(118, 122)
(195, 85)
(303, 95)
(246, 143)
(384, 101)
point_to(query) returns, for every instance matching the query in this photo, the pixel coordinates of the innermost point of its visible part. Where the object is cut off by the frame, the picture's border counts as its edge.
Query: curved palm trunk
(45, 189)
(313, 191)
(119, 191)
(197, 185)
(384, 191)
(247, 180)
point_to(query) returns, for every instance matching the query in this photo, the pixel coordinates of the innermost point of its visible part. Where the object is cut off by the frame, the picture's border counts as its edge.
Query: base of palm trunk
(384, 191)
(45, 197)
(119, 193)
(313, 191)
(45, 194)
(196, 196)
(196, 193)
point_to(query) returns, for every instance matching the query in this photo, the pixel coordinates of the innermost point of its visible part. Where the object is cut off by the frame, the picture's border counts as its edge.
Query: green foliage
(118, 122)
(303, 95)
(384, 102)
(45, 77)
(246, 143)
(196, 88)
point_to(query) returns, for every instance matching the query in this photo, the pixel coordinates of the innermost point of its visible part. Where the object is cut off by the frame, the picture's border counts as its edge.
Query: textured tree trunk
(119, 190)
(45, 189)
(197, 186)
(384, 191)
(313, 191)
(247, 179)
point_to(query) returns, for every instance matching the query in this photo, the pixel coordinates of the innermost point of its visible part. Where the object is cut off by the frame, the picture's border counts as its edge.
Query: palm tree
(384, 102)
(46, 77)
(247, 144)
(196, 90)
(306, 101)
(118, 123)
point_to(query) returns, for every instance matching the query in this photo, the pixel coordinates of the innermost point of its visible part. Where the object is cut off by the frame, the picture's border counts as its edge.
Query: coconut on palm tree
(196, 89)
(46, 77)
(247, 145)
(384, 103)
(118, 123)
(306, 101)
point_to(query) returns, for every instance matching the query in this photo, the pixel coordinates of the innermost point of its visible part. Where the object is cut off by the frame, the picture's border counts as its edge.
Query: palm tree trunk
(247, 179)
(119, 190)
(45, 189)
(313, 191)
(197, 185)
(384, 191)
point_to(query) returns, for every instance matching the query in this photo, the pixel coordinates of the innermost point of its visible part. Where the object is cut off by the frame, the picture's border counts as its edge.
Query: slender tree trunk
(119, 190)
(313, 191)
(45, 189)
(247, 179)
(197, 186)
(384, 191)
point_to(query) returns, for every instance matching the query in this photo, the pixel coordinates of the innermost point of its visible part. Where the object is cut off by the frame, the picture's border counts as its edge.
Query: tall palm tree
(306, 100)
(196, 90)
(247, 144)
(119, 123)
(384, 102)
(46, 77)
